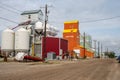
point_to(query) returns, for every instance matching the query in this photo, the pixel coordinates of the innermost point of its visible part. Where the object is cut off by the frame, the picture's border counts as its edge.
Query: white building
(33, 15)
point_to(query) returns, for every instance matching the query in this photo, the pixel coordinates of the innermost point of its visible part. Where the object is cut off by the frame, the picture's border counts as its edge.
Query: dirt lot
(93, 69)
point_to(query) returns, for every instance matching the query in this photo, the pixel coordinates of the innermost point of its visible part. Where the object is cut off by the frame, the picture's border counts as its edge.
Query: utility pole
(95, 47)
(98, 49)
(107, 50)
(101, 49)
(46, 19)
(84, 45)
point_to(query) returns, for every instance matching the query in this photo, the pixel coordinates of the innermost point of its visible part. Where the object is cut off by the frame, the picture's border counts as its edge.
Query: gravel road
(92, 69)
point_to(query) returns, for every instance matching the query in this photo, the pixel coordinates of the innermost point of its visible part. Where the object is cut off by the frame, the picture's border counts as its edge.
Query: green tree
(110, 54)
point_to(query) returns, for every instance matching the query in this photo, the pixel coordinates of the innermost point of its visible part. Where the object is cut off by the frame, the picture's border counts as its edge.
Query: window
(29, 16)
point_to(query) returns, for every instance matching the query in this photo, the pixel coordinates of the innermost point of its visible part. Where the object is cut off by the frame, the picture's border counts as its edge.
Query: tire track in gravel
(99, 69)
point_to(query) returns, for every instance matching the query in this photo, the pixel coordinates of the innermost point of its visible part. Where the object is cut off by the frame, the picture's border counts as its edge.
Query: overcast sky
(105, 31)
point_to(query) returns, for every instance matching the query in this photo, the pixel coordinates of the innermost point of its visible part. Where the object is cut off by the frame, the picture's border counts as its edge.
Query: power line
(103, 19)
(89, 21)
(8, 6)
(8, 20)
(9, 10)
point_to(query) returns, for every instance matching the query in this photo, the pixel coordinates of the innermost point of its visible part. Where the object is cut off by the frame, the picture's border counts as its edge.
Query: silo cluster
(21, 40)
(50, 30)
(17, 41)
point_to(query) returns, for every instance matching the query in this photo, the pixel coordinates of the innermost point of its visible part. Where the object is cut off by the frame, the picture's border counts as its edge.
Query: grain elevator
(27, 39)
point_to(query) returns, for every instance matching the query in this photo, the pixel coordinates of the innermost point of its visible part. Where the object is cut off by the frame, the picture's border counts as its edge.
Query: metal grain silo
(51, 31)
(54, 31)
(22, 40)
(7, 43)
(39, 26)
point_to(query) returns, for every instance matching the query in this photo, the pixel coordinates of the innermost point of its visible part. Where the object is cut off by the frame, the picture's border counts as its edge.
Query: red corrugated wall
(64, 45)
(52, 45)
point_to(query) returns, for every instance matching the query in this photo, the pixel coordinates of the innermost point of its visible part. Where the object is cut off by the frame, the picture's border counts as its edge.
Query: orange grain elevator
(72, 34)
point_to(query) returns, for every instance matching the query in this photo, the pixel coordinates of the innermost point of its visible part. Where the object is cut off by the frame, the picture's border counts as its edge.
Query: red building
(53, 44)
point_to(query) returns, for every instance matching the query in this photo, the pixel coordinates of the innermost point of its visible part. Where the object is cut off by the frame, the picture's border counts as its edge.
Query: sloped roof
(31, 12)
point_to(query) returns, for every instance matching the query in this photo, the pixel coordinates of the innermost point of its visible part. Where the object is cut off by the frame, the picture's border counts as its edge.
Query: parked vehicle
(118, 58)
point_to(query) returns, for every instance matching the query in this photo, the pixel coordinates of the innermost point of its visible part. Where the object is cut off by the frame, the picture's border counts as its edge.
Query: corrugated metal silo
(22, 40)
(7, 43)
